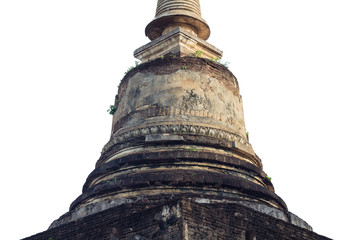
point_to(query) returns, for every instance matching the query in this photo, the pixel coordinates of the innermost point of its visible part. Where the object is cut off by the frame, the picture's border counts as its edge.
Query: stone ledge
(192, 179)
(239, 141)
(172, 157)
(178, 43)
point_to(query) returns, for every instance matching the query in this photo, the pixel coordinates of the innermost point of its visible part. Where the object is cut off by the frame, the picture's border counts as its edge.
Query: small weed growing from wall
(132, 67)
(226, 64)
(214, 60)
(112, 180)
(111, 110)
(193, 149)
(218, 60)
(197, 53)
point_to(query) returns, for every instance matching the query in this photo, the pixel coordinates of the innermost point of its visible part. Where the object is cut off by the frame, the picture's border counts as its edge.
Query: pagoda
(178, 164)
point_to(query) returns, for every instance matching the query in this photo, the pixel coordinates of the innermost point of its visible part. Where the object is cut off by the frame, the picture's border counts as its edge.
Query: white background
(297, 63)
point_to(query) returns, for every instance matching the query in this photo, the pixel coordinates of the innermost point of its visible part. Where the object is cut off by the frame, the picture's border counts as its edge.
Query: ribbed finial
(171, 14)
(166, 5)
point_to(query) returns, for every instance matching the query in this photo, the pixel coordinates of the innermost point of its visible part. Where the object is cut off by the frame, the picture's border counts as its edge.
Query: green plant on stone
(129, 69)
(193, 176)
(111, 110)
(184, 67)
(197, 53)
(226, 64)
(269, 178)
(137, 63)
(193, 149)
(112, 180)
(218, 60)
(214, 60)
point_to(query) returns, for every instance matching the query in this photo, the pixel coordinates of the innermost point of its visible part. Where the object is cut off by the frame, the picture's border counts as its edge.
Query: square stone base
(178, 43)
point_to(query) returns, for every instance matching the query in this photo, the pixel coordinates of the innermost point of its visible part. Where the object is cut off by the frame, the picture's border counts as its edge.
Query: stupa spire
(179, 30)
(171, 14)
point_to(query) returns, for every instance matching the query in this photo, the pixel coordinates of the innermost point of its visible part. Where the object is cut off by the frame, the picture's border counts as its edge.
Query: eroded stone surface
(178, 130)
(184, 95)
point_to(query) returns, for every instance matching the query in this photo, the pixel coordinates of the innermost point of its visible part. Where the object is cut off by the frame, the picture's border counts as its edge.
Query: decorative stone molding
(177, 42)
(172, 182)
(180, 157)
(178, 129)
(159, 111)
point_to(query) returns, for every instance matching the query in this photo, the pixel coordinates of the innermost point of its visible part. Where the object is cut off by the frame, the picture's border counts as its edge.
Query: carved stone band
(177, 129)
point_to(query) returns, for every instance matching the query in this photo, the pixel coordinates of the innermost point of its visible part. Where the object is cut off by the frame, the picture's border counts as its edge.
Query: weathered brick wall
(176, 220)
(207, 222)
(232, 221)
(120, 223)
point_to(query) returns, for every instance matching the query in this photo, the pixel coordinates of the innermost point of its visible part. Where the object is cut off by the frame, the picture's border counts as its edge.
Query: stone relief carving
(155, 111)
(176, 129)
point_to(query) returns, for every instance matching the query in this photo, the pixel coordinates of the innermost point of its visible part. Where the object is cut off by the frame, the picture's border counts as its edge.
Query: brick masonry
(178, 219)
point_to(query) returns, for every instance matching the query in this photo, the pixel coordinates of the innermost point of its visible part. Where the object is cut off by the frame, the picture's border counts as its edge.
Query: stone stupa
(178, 164)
